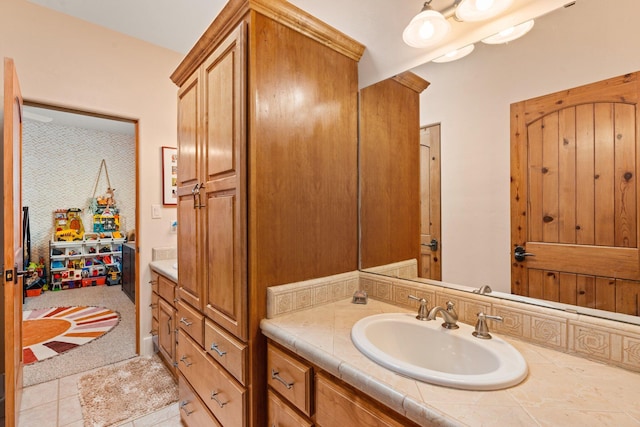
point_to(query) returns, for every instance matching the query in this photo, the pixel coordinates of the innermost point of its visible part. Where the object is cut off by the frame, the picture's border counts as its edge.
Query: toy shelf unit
(96, 259)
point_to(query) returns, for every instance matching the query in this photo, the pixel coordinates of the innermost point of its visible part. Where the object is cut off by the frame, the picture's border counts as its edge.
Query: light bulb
(426, 30)
(484, 4)
(510, 33)
(479, 10)
(506, 32)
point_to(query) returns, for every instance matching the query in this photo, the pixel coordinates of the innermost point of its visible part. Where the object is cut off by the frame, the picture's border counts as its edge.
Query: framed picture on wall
(169, 176)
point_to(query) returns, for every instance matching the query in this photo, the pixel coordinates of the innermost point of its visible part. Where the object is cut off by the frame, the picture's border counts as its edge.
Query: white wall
(471, 99)
(67, 62)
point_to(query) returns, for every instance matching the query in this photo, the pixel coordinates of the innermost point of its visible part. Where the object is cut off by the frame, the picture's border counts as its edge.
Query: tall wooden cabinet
(390, 136)
(267, 188)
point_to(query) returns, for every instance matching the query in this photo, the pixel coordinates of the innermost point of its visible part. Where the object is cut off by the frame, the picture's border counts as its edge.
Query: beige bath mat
(125, 391)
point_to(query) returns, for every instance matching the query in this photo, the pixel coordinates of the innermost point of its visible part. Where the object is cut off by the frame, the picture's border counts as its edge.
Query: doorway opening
(80, 186)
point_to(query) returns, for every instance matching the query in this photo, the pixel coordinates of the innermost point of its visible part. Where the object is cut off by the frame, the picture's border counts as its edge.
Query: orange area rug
(50, 331)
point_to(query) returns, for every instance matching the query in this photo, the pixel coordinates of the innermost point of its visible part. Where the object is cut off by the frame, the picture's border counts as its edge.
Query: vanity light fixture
(479, 10)
(426, 28)
(510, 33)
(430, 26)
(456, 54)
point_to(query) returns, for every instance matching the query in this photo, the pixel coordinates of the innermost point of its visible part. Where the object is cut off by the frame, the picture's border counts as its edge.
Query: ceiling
(378, 24)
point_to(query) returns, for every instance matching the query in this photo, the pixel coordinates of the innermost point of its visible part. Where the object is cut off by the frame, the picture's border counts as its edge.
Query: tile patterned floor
(56, 404)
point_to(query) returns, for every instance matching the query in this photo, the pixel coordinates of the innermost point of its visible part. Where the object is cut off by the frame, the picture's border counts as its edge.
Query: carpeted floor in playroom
(116, 345)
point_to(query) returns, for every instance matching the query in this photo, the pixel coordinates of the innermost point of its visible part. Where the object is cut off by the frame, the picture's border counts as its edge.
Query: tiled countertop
(561, 389)
(165, 267)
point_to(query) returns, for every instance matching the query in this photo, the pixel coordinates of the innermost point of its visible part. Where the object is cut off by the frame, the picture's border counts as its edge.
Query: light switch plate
(155, 212)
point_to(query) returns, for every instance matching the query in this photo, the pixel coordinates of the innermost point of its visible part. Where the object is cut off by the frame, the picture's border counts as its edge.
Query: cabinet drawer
(154, 282)
(281, 415)
(339, 406)
(289, 377)
(193, 412)
(167, 290)
(226, 350)
(224, 397)
(191, 321)
(154, 305)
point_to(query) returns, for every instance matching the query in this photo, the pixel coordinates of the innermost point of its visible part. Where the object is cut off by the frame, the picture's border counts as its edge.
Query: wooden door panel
(188, 125)
(628, 297)
(593, 260)
(219, 113)
(567, 176)
(585, 175)
(224, 194)
(604, 155)
(12, 242)
(189, 250)
(574, 160)
(430, 262)
(625, 184)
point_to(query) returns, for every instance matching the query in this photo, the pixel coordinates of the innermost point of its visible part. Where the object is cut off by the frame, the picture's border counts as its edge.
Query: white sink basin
(425, 351)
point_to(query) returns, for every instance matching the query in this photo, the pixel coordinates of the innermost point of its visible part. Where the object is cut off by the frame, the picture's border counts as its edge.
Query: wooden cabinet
(164, 319)
(129, 270)
(267, 175)
(167, 331)
(389, 134)
(300, 394)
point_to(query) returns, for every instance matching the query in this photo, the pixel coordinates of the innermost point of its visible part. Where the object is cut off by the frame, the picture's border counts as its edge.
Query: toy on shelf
(68, 225)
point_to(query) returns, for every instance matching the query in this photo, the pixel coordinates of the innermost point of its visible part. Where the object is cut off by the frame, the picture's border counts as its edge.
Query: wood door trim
(614, 90)
(621, 263)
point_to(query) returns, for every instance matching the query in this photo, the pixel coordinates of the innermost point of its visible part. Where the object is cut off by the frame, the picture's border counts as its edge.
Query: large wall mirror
(470, 99)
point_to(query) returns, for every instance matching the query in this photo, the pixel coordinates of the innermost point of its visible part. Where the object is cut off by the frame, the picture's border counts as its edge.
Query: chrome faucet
(423, 310)
(482, 330)
(449, 315)
(484, 289)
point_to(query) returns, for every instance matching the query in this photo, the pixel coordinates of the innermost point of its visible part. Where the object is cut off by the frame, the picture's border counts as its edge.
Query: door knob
(433, 245)
(520, 253)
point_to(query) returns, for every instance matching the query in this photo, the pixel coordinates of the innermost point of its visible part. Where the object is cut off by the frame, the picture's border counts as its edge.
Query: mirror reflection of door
(12, 245)
(430, 262)
(574, 196)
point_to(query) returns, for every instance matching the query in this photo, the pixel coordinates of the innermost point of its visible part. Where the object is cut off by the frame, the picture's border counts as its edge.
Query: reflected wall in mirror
(470, 99)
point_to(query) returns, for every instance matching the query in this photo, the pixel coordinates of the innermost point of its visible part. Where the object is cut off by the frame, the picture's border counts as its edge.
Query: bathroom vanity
(561, 389)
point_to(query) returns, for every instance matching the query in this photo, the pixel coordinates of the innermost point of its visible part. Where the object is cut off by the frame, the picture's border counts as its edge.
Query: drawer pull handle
(275, 375)
(214, 396)
(215, 348)
(169, 326)
(185, 321)
(183, 406)
(183, 359)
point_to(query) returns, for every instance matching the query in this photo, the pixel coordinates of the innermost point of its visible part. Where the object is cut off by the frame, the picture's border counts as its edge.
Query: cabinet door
(189, 217)
(224, 156)
(167, 331)
(339, 406)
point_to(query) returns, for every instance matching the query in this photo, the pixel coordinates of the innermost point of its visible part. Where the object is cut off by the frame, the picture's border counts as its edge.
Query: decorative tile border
(596, 339)
(298, 296)
(159, 254)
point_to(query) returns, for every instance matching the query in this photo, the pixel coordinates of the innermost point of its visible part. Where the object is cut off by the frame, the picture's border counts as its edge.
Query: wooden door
(189, 197)
(224, 167)
(167, 330)
(430, 266)
(574, 201)
(12, 242)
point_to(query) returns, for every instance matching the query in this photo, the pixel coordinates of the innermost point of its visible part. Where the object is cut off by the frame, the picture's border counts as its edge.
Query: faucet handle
(450, 307)
(482, 330)
(423, 311)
